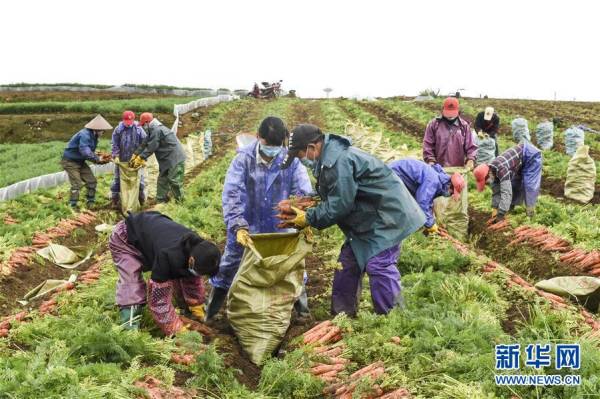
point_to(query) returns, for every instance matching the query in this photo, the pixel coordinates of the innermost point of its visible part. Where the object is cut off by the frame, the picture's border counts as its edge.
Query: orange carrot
(332, 333)
(319, 326)
(324, 368)
(366, 369)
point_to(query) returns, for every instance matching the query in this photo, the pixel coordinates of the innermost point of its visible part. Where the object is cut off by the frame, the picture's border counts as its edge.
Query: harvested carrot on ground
(324, 368)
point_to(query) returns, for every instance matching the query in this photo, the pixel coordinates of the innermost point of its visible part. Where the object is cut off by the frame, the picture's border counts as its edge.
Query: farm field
(461, 298)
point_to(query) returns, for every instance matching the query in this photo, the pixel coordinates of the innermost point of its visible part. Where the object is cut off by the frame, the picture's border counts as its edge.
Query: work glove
(530, 211)
(431, 230)
(116, 160)
(470, 164)
(183, 329)
(198, 311)
(300, 220)
(137, 162)
(243, 237)
(494, 213)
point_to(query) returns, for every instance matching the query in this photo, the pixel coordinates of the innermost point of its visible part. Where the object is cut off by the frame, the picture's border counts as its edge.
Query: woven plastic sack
(451, 214)
(520, 130)
(263, 292)
(574, 138)
(586, 289)
(486, 152)
(544, 135)
(207, 148)
(130, 188)
(581, 176)
(62, 256)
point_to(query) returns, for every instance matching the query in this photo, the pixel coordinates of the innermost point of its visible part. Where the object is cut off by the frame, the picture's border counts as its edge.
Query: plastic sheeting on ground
(574, 138)
(45, 288)
(486, 150)
(586, 289)
(581, 176)
(263, 292)
(520, 130)
(544, 135)
(62, 256)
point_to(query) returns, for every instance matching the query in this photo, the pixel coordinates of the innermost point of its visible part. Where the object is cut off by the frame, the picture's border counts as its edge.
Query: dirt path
(393, 120)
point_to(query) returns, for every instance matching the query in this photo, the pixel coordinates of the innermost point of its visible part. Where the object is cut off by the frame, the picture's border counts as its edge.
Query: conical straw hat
(98, 123)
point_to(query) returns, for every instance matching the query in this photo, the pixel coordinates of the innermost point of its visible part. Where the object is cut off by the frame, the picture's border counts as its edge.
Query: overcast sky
(527, 49)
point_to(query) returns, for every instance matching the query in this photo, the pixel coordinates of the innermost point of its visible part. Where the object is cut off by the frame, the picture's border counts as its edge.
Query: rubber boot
(114, 203)
(301, 304)
(215, 302)
(131, 317)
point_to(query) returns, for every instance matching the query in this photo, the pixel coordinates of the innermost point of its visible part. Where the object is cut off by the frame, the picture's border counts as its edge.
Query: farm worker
(207, 148)
(79, 149)
(162, 142)
(488, 122)
(254, 185)
(369, 203)
(425, 183)
(515, 177)
(126, 137)
(176, 257)
(448, 140)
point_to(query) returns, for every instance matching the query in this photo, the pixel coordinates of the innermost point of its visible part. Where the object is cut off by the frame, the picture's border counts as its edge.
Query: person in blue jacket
(81, 148)
(425, 183)
(254, 185)
(369, 203)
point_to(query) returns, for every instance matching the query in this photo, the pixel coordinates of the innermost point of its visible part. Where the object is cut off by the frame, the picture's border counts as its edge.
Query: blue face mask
(270, 151)
(309, 163)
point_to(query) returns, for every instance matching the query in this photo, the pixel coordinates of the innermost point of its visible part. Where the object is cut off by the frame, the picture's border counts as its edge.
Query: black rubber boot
(301, 304)
(215, 302)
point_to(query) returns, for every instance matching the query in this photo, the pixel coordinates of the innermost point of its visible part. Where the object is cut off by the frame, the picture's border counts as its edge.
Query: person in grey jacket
(162, 142)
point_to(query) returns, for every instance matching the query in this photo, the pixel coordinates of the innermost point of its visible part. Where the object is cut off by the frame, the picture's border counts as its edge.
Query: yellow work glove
(138, 162)
(300, 220)
(116, 160)
(432, 230)
(243, 237)
(494, 213)
(470, 164)
(198, 311)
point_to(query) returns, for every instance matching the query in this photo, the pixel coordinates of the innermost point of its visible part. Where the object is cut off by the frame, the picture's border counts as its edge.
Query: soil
(39, 128)
(529, 262)
(71, 96)
(193, 121)
(516, 315)
(556, 189)
(394, 121)
(24, 279)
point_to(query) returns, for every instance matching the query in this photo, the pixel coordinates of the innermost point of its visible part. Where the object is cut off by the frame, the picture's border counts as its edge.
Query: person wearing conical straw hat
(81, 148)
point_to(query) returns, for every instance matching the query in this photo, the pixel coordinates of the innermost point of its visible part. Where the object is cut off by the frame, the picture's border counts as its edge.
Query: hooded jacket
(449, 144)
(424, 182)
(81, 147)
(364, 198)
(125, 140)
(162, 142)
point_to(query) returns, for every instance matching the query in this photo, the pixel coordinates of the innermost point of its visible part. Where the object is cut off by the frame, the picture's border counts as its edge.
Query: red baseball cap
(128, 118)
(450, 108)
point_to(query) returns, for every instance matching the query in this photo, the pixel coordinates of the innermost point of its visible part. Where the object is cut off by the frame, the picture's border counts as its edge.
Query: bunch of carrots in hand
(287, 211)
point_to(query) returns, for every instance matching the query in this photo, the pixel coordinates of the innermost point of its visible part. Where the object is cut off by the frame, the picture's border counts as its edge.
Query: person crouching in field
(176, 257)
(515, 177)
(162, 142)
(81, 148)
(425, 183)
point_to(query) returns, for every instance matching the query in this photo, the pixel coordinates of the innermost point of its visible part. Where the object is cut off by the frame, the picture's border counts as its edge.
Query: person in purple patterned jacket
(126, 137)
(448, 140)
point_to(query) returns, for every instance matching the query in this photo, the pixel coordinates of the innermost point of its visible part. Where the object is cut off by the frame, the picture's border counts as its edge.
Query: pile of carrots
(185, 360)
(156, 389)
(198, 327)
(10, 220)
(90, 275)
(22, 256)
(331, 364)
(498, 226)
(286, 213)
(541, 238)
(323, 333)
(9, 321)
(583, 260)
